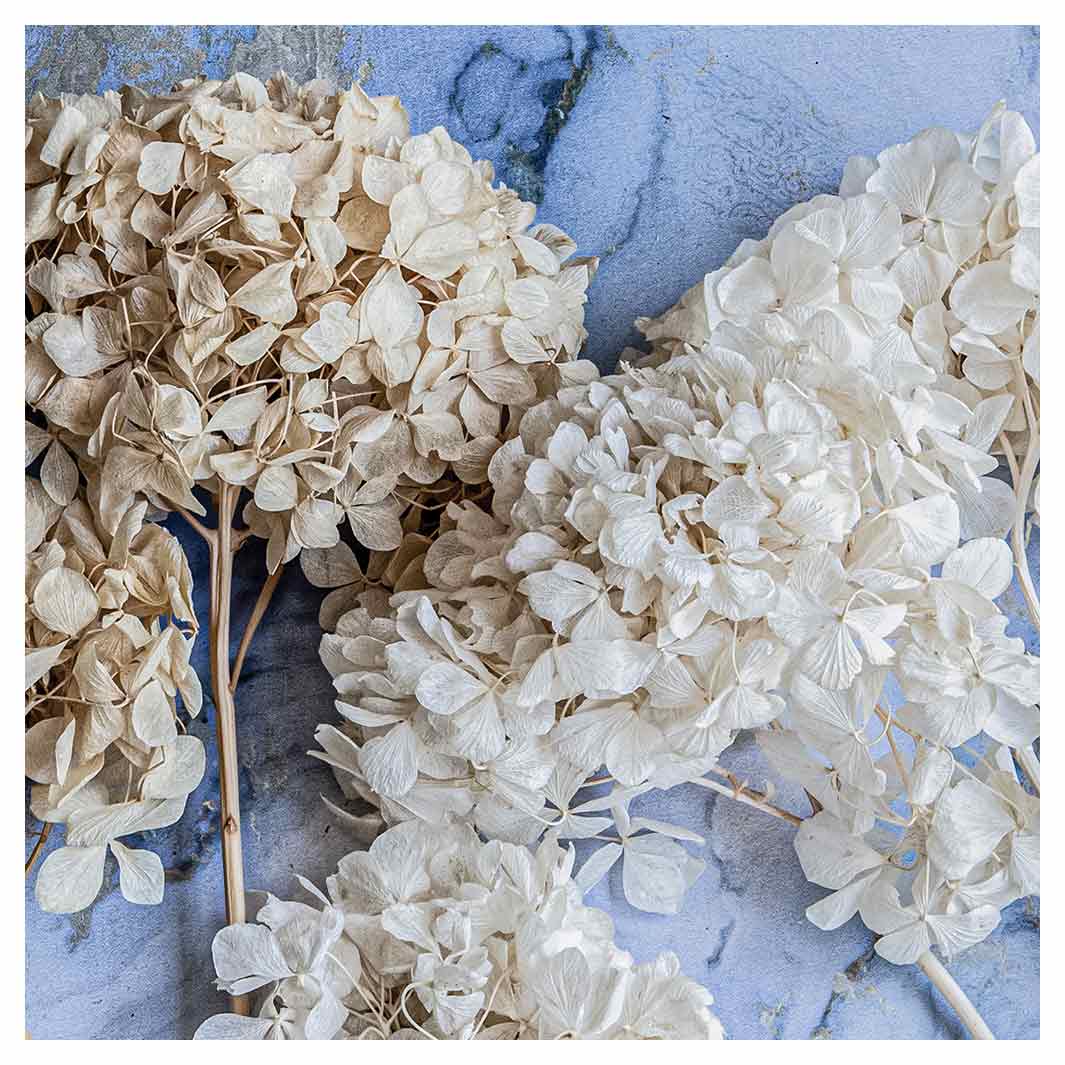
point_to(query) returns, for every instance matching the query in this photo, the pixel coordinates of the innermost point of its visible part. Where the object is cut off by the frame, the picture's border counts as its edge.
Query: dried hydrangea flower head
(106, 657)
(757, 528)
(914, 816)
(944, 315)
(279, 288)
(276, 290)
(434, 934)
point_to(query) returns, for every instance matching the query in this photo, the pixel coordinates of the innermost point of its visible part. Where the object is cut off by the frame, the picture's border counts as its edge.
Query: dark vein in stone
(854, 973)
(526, 168)
(657, 156)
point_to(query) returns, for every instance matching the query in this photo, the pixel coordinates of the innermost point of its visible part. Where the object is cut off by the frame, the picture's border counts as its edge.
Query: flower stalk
(1018, 538)
(222, 551)
(741, 793)
(266, 593)
(42, 839)
(948, 987)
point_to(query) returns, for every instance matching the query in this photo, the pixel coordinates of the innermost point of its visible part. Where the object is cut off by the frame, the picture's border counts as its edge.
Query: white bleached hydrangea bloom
(782, 513)
(278, 288)
(923, 277)
(433, 934)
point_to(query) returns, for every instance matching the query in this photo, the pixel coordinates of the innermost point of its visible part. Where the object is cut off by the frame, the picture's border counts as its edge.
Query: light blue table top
(658, 149)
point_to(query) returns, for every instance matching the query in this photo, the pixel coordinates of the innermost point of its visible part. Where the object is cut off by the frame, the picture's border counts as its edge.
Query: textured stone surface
(659, 149)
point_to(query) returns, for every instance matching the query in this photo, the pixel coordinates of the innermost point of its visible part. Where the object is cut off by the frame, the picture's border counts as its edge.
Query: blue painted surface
(658, 149)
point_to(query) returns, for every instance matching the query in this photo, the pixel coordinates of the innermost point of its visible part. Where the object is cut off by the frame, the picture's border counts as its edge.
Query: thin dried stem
(592, 782)
(208, 534)
(1011, 458)
(899, 763)
(266, 593)
(751, 798)
(958, 1000)
(226, 716)
(889, 719)
(1018, 540)
(42, 839)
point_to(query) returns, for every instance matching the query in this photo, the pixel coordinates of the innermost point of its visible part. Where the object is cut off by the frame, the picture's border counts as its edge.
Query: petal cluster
(432, 934)
(109, 632)
(273, 289)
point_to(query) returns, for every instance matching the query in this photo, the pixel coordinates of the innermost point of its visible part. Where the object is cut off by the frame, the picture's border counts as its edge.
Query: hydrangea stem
(948, 987)
(749, 797)
(266, 593)
(42, 839)
(222, 551)
(224, 542)
(1022, 487)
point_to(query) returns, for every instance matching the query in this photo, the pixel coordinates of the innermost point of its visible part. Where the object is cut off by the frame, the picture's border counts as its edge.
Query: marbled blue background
(658, 149)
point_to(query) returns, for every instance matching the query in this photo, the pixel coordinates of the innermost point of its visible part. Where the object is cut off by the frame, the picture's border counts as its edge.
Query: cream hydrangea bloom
(763, 525)
(264, 287)
(434, 934)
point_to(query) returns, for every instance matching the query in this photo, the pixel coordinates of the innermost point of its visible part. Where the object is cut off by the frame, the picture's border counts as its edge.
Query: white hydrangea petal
(987, 299)
(954, 933)
(247, 956)
(657, 872)
(905, 175)
(234, 1026)
(830, 855)
(390, 762)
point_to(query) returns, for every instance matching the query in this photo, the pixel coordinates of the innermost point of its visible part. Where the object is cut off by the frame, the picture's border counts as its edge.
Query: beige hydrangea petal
(264, 182)
(70, 878)
(268, 295)
(153, 717)
(65, 601)
(160, 166)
